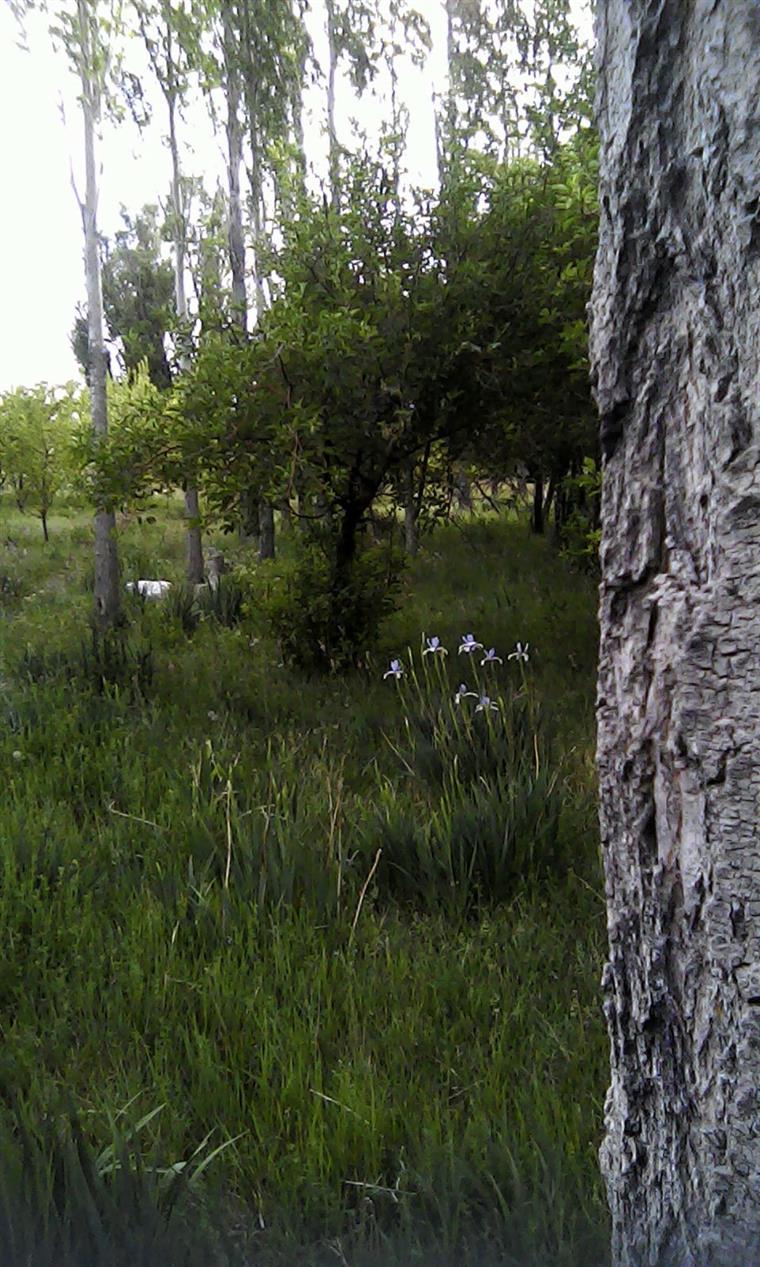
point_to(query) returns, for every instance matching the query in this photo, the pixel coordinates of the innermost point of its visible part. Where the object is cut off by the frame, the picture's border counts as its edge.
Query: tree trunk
(194, 544)
(266, 531)
(411, 541)
(248, 526)
(332, 135)
(235, 237)
(195, 565)
(463, 490)
(549, 496)
(107, 595)
(537, 516)
(675, 353)
(257, 223)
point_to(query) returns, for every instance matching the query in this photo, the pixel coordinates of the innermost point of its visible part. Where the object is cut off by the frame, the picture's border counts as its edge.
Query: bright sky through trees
(40, 229)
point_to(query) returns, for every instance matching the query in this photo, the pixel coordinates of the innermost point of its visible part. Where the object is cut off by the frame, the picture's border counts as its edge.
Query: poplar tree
(171, 36)
(85, 30)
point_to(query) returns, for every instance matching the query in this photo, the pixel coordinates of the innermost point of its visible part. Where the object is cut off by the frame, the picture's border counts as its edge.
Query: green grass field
(344, 931)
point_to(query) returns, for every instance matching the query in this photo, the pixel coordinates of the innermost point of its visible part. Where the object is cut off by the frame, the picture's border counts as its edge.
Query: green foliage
(142, 453)
(138, 296)
(138, 300)
(36, 444)
(188, 888)
(223, 603)
(181, 606)
(109, 662)
(489, 794)
(326, 619)
(525, 280)
(64, 1201)
(581, 532)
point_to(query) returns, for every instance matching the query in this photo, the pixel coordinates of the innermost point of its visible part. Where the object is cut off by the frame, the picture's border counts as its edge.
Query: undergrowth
(299, 969)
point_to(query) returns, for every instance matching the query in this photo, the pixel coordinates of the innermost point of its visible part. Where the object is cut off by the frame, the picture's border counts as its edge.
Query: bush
(326, 621)
(11, 589)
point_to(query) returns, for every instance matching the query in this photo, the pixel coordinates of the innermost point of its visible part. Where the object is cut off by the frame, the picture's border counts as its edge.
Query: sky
(41, 268)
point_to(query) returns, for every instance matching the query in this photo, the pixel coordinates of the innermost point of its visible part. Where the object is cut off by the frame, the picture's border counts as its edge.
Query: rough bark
(107, 595)
(676, 362)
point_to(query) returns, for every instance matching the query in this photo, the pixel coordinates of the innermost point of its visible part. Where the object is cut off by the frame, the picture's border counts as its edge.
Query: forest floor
(313, 962)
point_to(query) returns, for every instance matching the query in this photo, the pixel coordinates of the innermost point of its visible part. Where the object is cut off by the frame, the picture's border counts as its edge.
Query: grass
(401, 1056)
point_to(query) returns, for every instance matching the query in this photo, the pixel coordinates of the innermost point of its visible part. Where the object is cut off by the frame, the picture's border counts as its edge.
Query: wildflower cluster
(468, 646)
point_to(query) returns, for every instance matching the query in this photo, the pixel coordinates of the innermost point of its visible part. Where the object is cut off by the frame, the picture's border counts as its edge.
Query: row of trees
(322, 348)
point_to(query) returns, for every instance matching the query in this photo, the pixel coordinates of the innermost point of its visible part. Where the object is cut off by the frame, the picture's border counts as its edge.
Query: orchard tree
(675, 354)
(361, 364)
(83, 30)
(36, 426)
(262, 50)
(171, 33)
(138, 295)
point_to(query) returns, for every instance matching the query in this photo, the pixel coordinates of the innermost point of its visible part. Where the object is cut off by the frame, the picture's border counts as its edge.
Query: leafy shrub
(325, 619)
(580, 534)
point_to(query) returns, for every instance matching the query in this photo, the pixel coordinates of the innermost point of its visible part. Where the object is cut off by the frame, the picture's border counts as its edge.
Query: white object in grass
(149, 589)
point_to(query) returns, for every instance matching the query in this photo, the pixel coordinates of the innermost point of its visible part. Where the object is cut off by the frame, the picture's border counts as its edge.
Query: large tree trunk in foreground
(676, 355)
(107, 593)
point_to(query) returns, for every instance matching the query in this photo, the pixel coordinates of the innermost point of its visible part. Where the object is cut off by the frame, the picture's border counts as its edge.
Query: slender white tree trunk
(332, 133)
(257, 224)
(676, 357)
(107, 594)
(266, 523)
(236, 238)
(195, 568)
